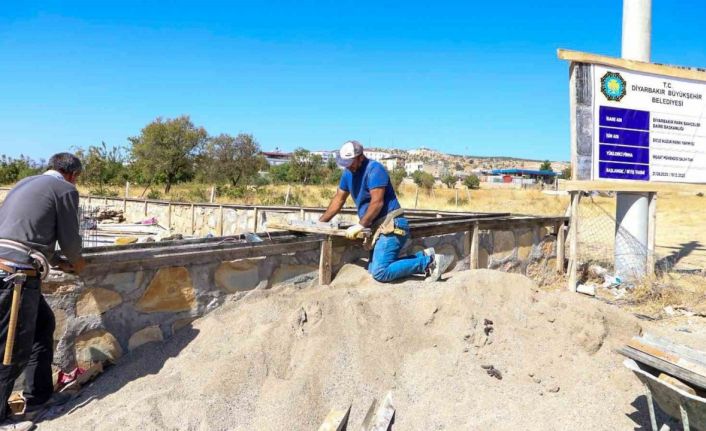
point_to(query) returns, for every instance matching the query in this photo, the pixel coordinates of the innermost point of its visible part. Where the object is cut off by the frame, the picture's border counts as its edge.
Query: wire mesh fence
(599, 236)
(88, 225)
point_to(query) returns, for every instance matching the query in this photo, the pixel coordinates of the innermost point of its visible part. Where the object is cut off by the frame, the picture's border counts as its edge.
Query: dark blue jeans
(34, 344)
(385, 265)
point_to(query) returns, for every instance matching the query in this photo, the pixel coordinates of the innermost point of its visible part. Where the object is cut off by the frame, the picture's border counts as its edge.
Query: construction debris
(109, 215)
(337, 420)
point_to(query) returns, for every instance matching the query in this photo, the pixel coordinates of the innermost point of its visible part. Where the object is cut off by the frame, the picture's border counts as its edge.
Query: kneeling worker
(378, 209)
(36, 214)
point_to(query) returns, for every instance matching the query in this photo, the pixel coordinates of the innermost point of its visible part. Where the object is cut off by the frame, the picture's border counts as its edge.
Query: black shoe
(57, 399)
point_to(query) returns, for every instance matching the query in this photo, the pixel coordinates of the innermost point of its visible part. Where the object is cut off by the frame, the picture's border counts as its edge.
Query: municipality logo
(613, 86)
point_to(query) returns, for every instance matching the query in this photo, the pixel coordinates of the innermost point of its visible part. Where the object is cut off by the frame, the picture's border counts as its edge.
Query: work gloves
(353, 231)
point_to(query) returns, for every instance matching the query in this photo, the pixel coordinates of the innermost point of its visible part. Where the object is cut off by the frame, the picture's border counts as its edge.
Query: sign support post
(632, 209)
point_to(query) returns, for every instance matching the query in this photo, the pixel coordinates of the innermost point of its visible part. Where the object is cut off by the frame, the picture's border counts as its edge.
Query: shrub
(154, 194)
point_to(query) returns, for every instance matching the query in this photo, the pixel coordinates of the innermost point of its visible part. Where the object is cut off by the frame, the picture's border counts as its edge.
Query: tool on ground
(18, 280)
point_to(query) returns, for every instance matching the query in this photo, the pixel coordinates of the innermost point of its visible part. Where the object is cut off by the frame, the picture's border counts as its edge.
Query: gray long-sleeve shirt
(38, 212)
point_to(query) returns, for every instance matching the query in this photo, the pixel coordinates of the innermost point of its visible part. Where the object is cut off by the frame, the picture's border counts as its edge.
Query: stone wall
(101, 317)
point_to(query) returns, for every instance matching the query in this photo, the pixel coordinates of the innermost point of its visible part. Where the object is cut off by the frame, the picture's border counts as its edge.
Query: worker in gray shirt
(39, 212)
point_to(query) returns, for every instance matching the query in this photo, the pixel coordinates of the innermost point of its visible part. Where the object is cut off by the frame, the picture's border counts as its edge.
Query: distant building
(276, 158)
(525, 176)
(412, 167)
(376, 155)
(393, 162)
(326, 156)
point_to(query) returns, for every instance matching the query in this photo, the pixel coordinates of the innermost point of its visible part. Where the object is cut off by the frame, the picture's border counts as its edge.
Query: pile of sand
(281, 359)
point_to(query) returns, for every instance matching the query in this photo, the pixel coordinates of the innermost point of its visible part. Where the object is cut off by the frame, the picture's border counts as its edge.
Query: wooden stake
(286, 198)
(573, 241)
(337, 420)
(651, 233)
(127, 189)
(560, 247)
(169, 216)
(220, 220)
(456, 198)
(475, 247)
(145, 207)
(193, 220)
(213, 194)
(255, 216)
(325, 269)
(416, 198)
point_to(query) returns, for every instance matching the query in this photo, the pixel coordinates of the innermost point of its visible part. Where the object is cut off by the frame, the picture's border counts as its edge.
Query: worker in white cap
(369, 184)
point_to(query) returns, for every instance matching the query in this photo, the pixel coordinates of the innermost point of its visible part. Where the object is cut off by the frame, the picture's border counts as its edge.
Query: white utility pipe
(632, 209)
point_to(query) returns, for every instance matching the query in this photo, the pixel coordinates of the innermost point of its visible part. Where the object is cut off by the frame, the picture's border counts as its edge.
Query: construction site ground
(281, 359)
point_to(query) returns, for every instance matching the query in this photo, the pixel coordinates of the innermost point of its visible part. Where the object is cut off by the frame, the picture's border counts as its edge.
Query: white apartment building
(412, 167)
(376, 155)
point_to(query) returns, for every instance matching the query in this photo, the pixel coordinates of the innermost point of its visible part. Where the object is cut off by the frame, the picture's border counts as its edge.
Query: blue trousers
(385, 265)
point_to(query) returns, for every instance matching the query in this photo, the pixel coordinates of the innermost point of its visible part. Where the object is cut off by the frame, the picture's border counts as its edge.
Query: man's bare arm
(335, 206)
(376, 202)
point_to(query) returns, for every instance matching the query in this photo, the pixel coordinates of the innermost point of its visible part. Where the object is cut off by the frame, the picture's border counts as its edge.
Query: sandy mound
(281, 359)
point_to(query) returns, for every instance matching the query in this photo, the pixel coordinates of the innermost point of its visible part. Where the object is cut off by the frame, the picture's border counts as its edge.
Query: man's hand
(66, 266)
(353, 231)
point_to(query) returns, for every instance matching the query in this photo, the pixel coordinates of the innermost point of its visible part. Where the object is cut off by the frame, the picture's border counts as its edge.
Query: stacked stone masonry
(100, 318)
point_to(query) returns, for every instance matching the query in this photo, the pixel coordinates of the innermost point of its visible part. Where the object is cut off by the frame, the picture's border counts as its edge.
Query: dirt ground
(280, 359)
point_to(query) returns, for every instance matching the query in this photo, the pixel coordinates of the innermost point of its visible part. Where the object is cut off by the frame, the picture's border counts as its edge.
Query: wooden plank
(690, 354)
(573, 241)
(325, 265)
(631, 186)
(193, 220)
(475, 246)
(220, 220)
(664, 366)
(159, 260)
(316, 229)
(169, 217)
(560, 247)
(651, 232)
(336, 420)
(638, 66)
(383, 416)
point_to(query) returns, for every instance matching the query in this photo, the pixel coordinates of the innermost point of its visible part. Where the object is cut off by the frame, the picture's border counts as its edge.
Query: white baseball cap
(349, 151)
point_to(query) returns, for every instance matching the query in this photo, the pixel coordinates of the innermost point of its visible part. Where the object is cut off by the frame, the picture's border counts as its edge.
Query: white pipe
(637, 29)
(632, 209)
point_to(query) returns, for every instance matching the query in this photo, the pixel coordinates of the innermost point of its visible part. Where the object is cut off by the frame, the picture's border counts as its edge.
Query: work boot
(438, 266)
(57, 399)
(13, 425)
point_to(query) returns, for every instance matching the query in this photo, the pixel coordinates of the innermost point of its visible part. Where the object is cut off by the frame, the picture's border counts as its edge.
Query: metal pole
(632, 209)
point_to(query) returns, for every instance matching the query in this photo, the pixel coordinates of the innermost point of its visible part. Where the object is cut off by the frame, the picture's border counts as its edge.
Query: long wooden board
(322, 230)
(638, 66)
(678, 361)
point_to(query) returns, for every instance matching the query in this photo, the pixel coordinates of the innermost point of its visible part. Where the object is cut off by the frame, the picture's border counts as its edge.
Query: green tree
(305, 168)
(13, 170)
(472, 181)
(397, 176)
(566, 173)
(102, 166)
(165, 150)
(449, 180)
(546, 166)
(423, 179)
(233, 159)
(279, 173)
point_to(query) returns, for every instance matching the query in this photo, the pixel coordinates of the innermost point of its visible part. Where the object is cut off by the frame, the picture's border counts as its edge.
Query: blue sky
(465, 77)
